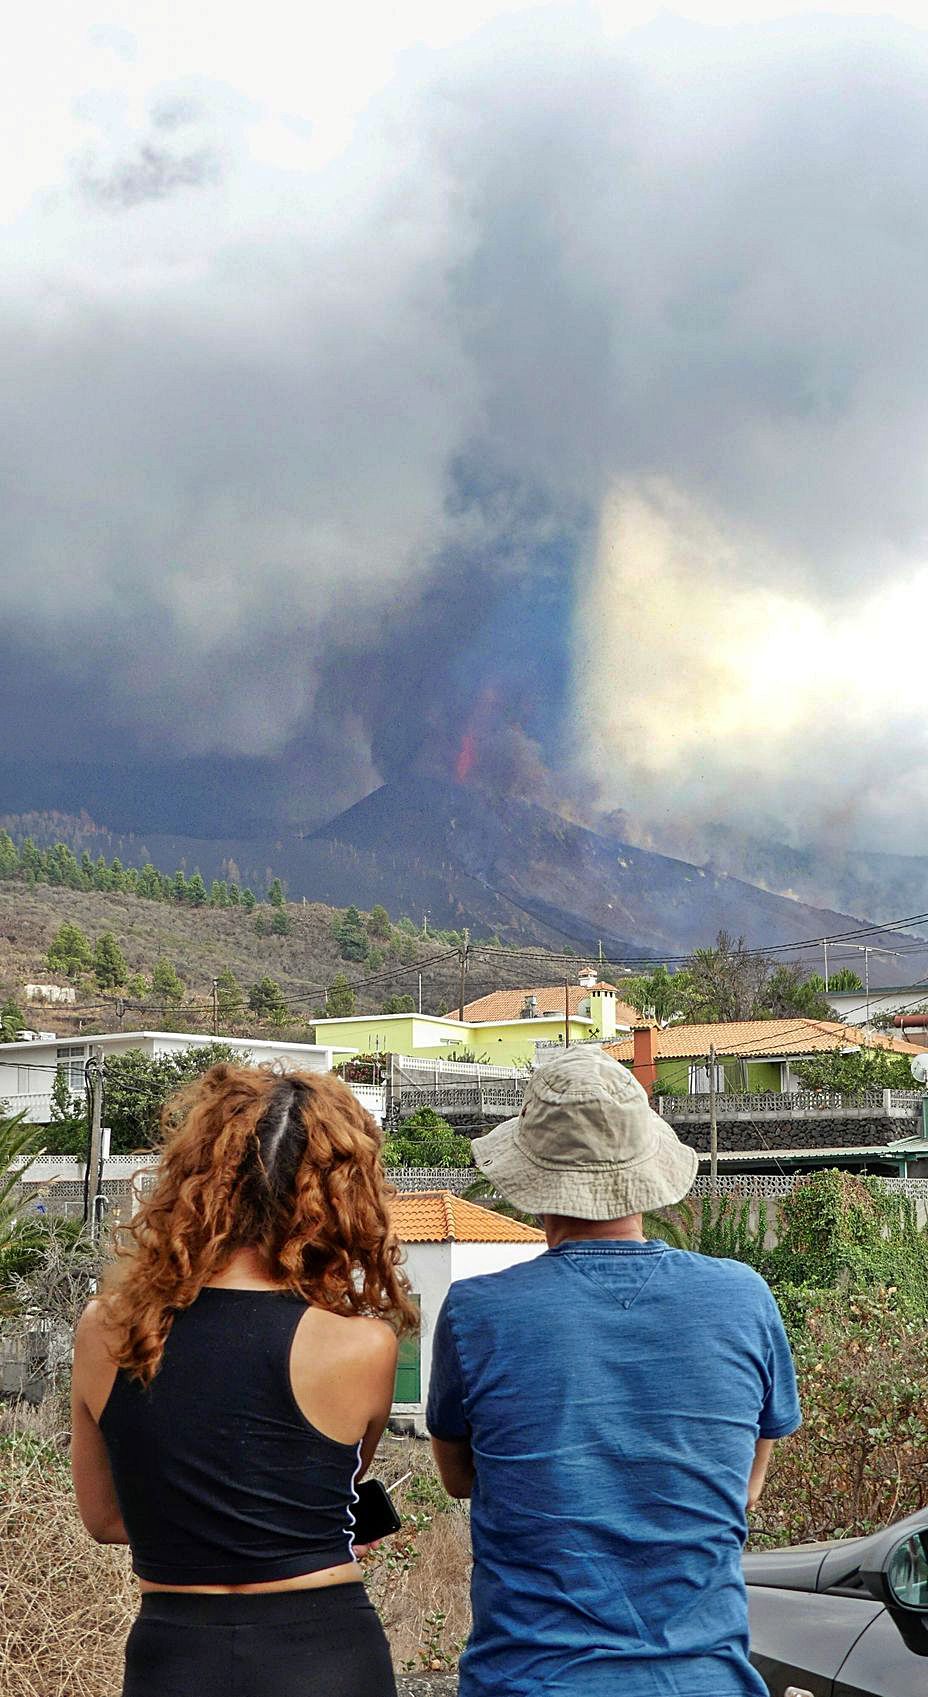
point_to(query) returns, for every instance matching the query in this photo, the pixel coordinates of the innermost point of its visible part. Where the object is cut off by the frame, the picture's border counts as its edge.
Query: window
(71, 1058)
(699, 1079)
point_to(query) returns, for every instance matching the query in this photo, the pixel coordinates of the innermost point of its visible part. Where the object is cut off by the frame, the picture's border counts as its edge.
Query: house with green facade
(752, 1056)
(501, 1029)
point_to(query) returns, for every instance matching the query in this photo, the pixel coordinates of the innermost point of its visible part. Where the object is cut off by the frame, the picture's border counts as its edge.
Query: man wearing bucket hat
(609, 1408)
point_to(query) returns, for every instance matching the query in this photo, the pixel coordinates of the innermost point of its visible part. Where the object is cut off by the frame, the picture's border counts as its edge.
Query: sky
(529, 394)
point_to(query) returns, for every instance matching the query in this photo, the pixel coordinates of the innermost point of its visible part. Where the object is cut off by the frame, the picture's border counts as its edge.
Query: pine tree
(109, 963)
(350, 935)
(266, 999)
(280, 924)
(275, 894)
(69, 951)
(249, 900)
(9, 858)
(196, 890)
(166, 986)
(229, 997)
(339, 1001)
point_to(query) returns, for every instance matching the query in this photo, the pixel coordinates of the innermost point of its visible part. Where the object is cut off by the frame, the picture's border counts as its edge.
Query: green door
(408, 1375)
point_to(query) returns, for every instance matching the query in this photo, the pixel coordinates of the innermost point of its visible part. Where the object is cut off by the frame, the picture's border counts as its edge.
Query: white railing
(373, 1097)
(782, 1104)
(451, 1070)
(36, 1105)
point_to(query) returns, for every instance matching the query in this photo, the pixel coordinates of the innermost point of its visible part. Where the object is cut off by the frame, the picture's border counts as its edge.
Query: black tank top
(220, 1477)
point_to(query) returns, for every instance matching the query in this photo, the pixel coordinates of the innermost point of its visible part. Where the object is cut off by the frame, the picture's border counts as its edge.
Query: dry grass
(66, 1604)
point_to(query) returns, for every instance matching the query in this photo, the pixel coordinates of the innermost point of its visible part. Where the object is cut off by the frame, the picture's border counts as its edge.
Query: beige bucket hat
(587, 1143)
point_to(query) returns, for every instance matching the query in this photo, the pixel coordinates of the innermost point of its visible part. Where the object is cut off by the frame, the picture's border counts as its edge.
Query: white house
(445, 1239)
(27, 1070)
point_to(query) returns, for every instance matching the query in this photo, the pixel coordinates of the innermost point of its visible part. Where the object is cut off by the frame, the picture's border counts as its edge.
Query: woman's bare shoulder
(359, 1336)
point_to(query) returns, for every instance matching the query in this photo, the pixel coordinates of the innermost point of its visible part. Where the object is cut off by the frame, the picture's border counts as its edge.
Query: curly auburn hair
(285, 1163)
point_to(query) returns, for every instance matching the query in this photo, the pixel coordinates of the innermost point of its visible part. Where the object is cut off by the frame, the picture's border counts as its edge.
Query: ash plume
(585, 386)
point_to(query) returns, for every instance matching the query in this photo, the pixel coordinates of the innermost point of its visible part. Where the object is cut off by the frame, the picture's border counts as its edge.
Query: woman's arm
(91, 1381)
(381, 1365)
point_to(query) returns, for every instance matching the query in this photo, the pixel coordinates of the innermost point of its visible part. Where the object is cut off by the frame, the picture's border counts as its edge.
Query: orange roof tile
(437, 1216)
(757, 1038)
(507, 1005)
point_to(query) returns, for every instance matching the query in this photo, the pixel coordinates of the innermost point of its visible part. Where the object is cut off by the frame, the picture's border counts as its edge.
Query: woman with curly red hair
(231, 1384)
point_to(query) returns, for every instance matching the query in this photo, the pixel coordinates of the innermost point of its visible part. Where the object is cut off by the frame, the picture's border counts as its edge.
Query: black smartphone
(374, 1514)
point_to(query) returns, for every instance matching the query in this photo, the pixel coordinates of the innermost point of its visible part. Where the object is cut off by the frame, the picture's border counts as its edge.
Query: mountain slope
(569, 880)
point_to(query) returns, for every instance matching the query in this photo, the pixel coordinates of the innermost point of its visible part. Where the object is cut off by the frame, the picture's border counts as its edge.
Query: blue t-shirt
(613, 1393)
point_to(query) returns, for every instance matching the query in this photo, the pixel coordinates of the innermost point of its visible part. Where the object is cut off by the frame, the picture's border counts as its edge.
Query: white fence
(775, 1104)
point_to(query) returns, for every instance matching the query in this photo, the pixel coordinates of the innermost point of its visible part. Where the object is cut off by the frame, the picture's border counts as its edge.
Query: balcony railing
(775, 1104)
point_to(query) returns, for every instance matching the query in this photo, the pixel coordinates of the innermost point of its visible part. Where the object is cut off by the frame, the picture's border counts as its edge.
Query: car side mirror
(896, 1574)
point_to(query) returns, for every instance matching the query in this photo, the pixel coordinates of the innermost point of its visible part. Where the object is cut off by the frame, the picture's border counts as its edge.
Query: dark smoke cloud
(316, 486)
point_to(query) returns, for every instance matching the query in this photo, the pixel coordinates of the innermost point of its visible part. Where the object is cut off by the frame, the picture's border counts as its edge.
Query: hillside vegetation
(373, 963)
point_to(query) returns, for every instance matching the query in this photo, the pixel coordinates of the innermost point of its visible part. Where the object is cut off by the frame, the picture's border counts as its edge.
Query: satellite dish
(920, 1069)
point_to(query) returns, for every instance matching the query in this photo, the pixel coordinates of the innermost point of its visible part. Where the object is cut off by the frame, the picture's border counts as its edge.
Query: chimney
(587, 977)
(644, 1065)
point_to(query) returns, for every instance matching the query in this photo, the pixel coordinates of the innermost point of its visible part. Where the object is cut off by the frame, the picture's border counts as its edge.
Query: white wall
(428, 1269)
(431, 1269)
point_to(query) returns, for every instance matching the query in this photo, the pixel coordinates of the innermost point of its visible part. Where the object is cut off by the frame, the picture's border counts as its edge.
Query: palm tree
(16, 1138)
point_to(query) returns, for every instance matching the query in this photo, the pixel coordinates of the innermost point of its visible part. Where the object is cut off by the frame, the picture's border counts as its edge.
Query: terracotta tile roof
(757, 1038)
(502, 1005)
(437, 1216)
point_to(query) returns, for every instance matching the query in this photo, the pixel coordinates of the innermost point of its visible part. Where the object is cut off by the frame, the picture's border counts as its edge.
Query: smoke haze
(564, 429)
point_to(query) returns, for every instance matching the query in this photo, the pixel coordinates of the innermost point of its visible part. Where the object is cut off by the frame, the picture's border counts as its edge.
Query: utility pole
(825, 947)
(713, 1129)
(420, 992)
(463, 953)
(93, 1196)
(566, 1014)
(215, 1007)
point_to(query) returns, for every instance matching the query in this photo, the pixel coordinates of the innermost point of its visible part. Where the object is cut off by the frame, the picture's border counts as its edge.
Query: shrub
(860, 1459)
(426, 1140)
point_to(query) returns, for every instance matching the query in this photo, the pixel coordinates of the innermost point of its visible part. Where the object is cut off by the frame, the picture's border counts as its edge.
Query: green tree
(249, 900)
(424, 1139)
(845, 981)
(235, 895)
(11, 1020)
(9, 857)
(166, 986)
(378, 924)
(196, 890)
(137, 985)
(660, 994)
(16, 1138)
(30, 861)
(67, 1132)
(230, 999)
(868, 1069)
(109, 963)
(266, 999)
(727, 981)
(339, 999)
(275, 894)
(138, 1086)
(350, 935)
(399, 1004)
(219, 893)
(789, 990)
(280, 923)
(69, 951)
